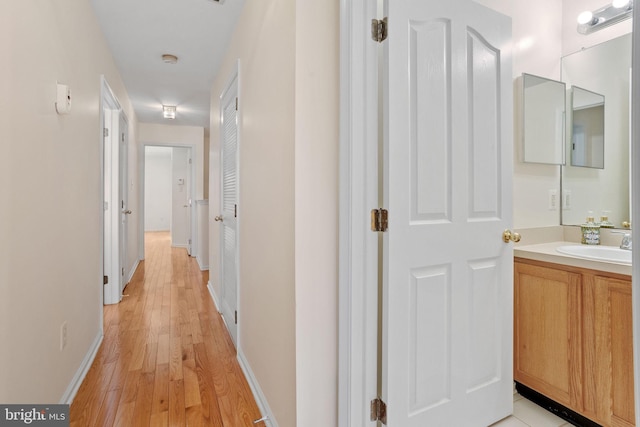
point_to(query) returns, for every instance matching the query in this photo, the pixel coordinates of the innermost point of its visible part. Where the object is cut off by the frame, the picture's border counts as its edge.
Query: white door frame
(192, 178)
(358, 250)
(111, 176)
(358, 247)
(635, 171)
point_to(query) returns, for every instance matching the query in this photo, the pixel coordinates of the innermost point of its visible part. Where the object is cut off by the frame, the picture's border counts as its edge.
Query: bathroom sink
(598, 253)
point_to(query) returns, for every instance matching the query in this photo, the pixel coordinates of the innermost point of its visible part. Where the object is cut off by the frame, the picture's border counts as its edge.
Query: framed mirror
(587, 128)
(543, 120)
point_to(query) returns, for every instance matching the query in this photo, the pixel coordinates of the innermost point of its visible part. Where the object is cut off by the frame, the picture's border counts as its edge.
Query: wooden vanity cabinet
(573, 339)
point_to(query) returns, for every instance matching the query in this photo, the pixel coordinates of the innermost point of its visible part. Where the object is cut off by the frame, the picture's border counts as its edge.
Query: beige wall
(316, 211)
(289, 168)
(264, 42)
(50, 192)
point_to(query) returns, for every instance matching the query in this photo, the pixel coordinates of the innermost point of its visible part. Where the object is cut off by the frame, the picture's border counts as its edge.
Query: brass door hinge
(379, 29)
(379, 411)
(105, 280)
(379, 220)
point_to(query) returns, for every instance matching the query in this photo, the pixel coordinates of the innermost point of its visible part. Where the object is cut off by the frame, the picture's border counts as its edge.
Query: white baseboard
(73, 387)
(213, 296)
(261, 400)
(203, 266)
(133, 270)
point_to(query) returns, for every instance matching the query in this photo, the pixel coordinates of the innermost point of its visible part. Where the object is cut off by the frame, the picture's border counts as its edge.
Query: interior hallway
(166, 358)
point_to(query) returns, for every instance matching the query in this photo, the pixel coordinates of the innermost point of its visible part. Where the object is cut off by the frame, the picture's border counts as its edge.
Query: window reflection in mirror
(587, 136)
(544, 120)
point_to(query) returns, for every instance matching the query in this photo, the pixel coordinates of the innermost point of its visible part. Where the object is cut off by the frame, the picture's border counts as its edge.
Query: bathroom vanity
(573, 333)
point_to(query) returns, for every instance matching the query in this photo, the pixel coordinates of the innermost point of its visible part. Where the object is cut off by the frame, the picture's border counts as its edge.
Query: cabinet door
(548, 332)
(614, 350)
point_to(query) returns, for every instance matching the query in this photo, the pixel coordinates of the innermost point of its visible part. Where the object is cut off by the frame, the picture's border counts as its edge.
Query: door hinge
(123, 137)
(236, 316)
(122, 271)
(379, 220)
(189, 161)
(236, 103)
(379, 410)
(235, 211)
(105, 280)
(105, 132)
(379, 28)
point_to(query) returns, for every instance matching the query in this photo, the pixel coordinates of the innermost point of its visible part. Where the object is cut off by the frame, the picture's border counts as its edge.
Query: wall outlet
(553, 200)
(63, 335)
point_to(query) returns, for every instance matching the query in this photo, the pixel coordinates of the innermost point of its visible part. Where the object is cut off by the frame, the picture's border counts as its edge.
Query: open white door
(123, 139)
(229, 204)
(447, 273)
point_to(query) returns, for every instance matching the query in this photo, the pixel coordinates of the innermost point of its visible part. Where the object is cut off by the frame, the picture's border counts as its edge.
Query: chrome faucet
(626, 242)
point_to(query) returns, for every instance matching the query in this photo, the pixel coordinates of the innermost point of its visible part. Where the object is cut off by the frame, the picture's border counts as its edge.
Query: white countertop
(547, 252)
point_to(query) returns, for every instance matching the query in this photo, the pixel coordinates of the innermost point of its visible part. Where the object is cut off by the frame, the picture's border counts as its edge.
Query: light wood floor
(166, 358)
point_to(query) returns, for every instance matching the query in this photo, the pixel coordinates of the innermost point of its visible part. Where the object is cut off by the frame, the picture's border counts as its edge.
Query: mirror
(587, 128)
(544, 120)
(604, 189)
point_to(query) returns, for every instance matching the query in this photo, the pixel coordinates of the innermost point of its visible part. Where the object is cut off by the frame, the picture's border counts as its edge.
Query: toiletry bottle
(590, 231)
(604, 220)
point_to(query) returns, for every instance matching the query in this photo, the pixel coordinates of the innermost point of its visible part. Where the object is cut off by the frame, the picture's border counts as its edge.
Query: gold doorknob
(218, 218)
(626, 224)
(510, 236)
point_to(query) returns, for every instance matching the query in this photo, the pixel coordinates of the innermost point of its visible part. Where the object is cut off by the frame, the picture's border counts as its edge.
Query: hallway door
(447, 273)
(123, 138)
(229, 204)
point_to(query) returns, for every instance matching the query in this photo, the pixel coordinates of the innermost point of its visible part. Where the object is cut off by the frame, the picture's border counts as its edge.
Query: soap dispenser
(604, 220)
(590, 231)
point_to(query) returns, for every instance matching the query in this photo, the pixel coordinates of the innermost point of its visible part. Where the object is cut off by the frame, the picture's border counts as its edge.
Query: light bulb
(585, 17)
(619, 4)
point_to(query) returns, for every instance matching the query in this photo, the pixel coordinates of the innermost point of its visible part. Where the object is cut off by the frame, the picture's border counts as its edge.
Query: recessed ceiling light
(170, 59)
(169, 111)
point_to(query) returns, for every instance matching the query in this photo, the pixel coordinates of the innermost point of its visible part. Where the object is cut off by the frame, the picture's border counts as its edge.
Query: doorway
(116, 211)
(167, 193)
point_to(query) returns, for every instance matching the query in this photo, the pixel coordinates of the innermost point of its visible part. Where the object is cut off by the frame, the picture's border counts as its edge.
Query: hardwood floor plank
(161, 389)
(166, 357)
(176, 403)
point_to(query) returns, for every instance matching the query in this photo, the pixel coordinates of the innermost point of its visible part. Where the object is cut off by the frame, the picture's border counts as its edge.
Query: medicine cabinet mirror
(543, 127)
(587, 128)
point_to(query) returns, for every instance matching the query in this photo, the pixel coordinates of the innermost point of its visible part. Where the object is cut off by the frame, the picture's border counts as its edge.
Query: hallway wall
(50, 192)
(264, 41)
(288, 122)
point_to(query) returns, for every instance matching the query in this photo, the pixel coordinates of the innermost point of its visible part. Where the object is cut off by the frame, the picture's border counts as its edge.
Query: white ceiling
(139, 32)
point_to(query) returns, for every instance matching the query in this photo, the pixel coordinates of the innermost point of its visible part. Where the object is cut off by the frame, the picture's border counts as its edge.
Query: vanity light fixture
(617, 11)
(169, 111)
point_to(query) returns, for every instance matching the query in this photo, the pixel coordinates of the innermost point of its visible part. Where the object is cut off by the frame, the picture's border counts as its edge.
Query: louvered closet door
(229, 252)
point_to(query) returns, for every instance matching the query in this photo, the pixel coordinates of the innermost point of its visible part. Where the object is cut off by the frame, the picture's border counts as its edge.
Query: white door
(447, 274)
(123, 139)
(229, 204)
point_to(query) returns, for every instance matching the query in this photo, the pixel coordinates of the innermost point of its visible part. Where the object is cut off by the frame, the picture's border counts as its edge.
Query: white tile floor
(528, 414)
